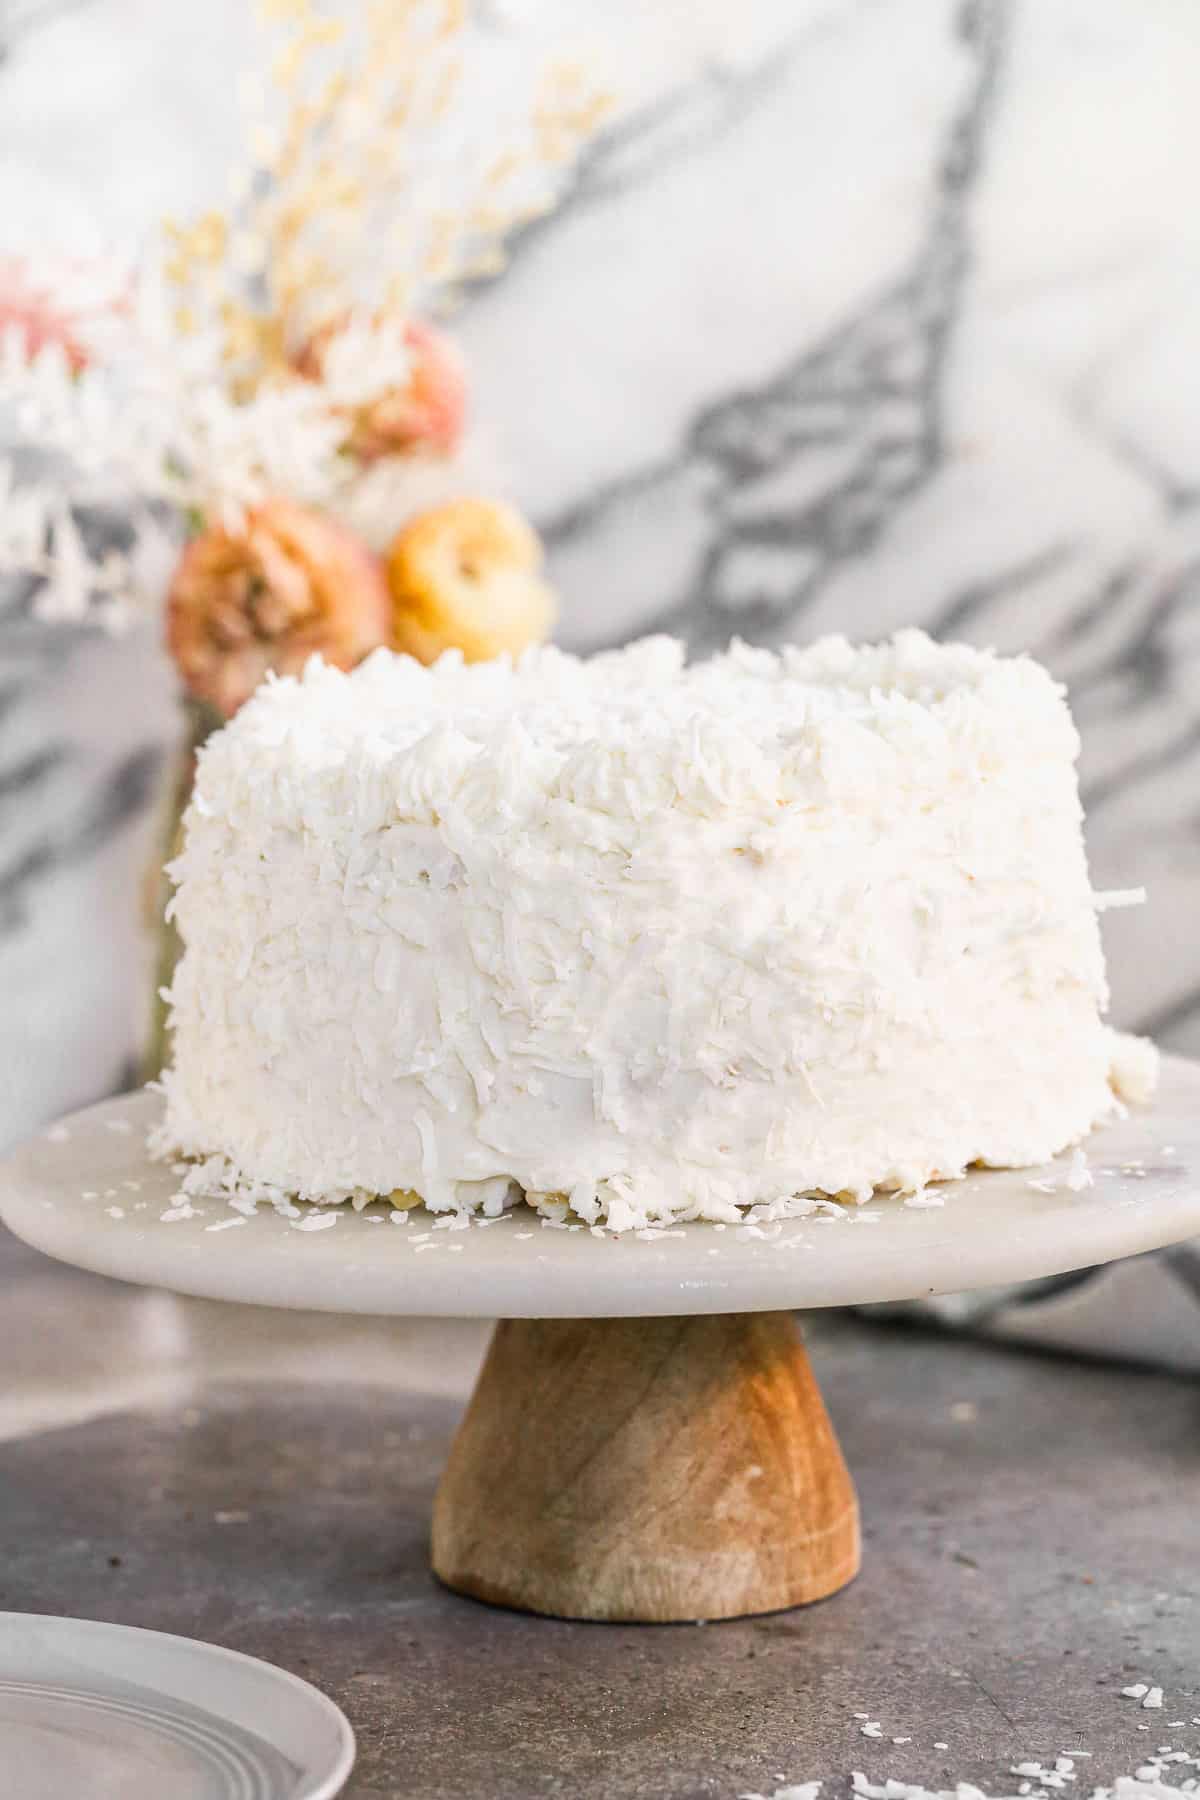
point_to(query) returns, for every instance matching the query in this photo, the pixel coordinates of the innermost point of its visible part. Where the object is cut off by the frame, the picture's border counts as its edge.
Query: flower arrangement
(283, 348)
(264, 418)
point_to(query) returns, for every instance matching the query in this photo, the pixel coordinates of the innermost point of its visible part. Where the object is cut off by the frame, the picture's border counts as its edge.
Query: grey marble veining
(856, 315)
(804, 471)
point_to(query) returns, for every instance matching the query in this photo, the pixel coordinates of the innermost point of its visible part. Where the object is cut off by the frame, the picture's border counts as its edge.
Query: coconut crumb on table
(800, 1790)
(1039, 1781)
(1147, 1783)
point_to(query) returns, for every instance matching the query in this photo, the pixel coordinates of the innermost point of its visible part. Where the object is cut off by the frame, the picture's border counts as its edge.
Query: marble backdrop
(861, 313)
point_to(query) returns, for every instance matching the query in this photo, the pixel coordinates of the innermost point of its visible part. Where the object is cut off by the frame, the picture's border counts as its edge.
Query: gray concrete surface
(264, 1480)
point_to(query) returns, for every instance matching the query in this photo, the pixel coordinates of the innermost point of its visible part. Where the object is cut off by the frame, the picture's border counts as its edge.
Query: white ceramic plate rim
(60, 1190)
(323, 1783)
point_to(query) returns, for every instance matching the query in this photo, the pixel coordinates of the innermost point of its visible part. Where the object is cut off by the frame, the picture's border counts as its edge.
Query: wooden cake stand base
(646, 1469)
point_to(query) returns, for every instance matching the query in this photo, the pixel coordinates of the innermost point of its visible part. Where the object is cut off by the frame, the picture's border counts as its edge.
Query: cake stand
(646, 1440)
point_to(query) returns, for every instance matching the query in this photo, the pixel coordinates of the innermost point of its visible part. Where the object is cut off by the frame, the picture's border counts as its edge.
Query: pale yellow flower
(468, 576)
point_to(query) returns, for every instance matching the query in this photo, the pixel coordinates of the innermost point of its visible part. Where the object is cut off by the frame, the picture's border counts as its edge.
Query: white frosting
(675, 942)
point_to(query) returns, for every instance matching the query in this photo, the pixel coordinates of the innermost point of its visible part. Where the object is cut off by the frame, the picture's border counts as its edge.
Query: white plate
(86, 1192)
(107, 1712)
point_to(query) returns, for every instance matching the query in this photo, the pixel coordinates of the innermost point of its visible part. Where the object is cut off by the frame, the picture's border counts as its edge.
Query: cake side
(667, 942)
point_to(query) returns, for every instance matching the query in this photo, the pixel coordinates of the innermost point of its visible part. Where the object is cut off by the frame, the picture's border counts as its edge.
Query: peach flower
(292, 583)
(26, 307)
(427, 413)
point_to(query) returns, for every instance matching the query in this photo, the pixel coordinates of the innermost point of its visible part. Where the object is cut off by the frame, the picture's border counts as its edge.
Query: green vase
(199, 722)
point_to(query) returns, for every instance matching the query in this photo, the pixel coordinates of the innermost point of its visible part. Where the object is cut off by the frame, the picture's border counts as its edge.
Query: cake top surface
(634, 730)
